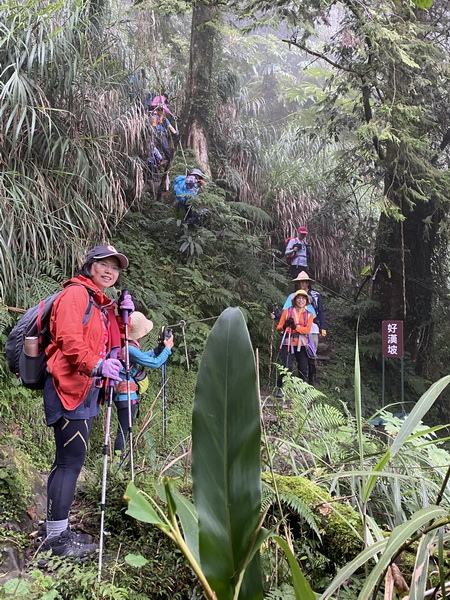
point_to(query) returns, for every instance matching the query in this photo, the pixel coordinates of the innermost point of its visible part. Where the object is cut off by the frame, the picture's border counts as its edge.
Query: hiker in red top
(79, 361)
(295, 323)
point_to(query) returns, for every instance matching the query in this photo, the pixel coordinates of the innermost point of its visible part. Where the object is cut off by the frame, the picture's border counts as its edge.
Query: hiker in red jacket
(79, 361)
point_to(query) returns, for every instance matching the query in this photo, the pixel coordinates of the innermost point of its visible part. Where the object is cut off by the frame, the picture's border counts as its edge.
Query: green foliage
(168, 288)
(228, 493)
(15, 483)
(66, 158)
(68, 580)
(339, 524)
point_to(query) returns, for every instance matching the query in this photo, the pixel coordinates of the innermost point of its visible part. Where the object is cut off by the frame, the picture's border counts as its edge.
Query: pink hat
(302, 230)
(160, 102)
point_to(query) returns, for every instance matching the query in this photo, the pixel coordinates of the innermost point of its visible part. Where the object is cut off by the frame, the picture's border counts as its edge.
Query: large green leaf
(226, 438)
(302, 589)
(141, 509)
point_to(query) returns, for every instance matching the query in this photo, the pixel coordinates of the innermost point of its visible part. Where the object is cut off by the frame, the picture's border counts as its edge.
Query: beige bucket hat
(303, 276)
(140, 326)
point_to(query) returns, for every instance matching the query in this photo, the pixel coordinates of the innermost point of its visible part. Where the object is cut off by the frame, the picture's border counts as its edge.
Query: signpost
(392, 347)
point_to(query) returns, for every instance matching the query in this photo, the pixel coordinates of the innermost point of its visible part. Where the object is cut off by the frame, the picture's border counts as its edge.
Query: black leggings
(71, 439)
(287, 360)
(123, 425)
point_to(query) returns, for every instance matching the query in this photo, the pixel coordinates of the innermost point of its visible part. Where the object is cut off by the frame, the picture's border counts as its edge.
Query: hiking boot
(279, 393)
(66, 544)
(83, 538)
(312, 380)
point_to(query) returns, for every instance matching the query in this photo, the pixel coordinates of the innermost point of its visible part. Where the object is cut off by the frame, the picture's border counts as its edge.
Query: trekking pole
(271, 351)
(104, 474)
(163, 398)
(125, 317)
(164, 334)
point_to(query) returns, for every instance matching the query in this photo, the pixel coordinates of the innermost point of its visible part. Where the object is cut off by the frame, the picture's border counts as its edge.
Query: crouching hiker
(84, 329)
(186, 188)
(140, 327)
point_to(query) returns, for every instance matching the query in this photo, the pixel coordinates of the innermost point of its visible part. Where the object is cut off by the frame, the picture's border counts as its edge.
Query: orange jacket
(75, 349)
(298, 329)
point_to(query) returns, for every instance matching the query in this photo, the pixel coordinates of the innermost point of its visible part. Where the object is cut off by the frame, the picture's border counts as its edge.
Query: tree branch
(292, 42)
(365, 90)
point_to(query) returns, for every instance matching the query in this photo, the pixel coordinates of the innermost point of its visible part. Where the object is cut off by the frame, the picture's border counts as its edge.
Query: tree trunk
(405, 253)
(202, 84)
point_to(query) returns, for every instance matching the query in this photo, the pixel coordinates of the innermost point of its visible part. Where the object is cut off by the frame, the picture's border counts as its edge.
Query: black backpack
(35, 323)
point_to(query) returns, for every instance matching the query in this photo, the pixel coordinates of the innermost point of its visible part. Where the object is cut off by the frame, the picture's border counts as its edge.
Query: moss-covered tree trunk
(202, 84)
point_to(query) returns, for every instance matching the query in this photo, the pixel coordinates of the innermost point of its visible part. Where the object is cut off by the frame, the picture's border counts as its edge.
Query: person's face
(300, 301)
(105, 272)
(301, 236)
(303, 285)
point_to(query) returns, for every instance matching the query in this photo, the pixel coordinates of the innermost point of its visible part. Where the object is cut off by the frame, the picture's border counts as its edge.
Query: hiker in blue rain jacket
(186, 187)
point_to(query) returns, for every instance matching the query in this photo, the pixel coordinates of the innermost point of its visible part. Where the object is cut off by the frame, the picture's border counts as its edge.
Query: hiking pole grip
(114, 353)
(125, 314)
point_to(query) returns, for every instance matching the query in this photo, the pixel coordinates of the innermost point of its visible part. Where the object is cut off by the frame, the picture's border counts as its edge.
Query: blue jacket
(138, 359)
(185, 192)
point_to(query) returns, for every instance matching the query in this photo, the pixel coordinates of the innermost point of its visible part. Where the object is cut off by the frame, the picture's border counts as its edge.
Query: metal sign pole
(402, 384)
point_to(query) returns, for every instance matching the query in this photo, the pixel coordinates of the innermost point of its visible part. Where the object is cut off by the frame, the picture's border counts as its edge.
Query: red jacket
(75, 349)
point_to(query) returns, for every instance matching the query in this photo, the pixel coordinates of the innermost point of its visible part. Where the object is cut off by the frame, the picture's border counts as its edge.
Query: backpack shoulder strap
(304, 313)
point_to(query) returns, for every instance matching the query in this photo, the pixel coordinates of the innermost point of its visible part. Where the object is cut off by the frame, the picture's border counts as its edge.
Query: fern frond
(293, 503)
(296, 505)
(250, 211)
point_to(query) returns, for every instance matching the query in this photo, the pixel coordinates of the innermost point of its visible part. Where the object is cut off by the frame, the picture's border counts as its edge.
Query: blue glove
(127, 303)
(111, 368)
